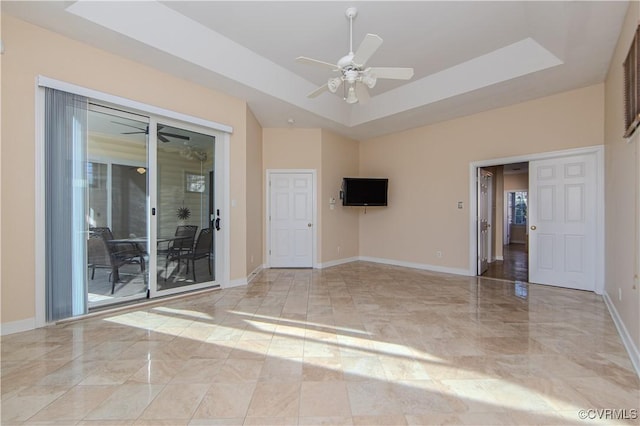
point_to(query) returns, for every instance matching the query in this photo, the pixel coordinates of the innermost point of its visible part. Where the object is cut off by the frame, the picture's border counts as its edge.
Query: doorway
(119, 186)
(511, 232)
(565, 199)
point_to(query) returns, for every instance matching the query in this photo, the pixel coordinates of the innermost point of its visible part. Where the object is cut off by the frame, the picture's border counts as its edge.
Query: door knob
(533, 227)
(309, 225)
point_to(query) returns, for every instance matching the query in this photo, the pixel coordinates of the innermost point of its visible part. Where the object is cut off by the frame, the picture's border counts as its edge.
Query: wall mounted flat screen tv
(364, 191)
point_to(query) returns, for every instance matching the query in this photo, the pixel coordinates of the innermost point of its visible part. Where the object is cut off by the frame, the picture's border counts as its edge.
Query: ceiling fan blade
(393, 73)
(310, 61)
(318, 91)
(362, 93)
(134, 133)
(129, 125)
(173, 135)
(367, 48)
(162, 138)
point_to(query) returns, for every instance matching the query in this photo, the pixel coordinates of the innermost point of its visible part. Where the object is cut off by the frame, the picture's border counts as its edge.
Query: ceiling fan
(353, 75)
(162, 136)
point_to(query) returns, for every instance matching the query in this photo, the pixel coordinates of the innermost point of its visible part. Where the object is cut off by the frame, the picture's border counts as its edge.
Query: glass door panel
(117, 193)
(185, 213)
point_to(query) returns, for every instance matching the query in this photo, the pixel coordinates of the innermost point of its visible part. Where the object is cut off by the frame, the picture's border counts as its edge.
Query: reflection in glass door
(117, 194)
(185, 209)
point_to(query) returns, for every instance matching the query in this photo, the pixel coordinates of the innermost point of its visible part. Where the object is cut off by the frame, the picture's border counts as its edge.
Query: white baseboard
(423, 266)
(336, 262)
(254, 273)
(235, 283)
(244, 281)
(499, 258)
(18, 326)
(629, 344)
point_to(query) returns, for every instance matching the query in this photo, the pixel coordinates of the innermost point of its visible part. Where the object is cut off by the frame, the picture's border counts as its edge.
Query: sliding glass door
(117, 194)
(130, 209)
(185, 216)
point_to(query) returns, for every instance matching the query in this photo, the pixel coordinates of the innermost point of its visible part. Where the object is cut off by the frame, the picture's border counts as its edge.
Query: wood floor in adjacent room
(359, 344)
(513, 267)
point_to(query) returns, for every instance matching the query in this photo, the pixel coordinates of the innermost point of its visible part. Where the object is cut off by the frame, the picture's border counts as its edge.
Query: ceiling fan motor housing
(351, 75)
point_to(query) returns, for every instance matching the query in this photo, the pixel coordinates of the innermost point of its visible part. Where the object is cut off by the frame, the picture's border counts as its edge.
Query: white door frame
(314, 209)
(597, 150)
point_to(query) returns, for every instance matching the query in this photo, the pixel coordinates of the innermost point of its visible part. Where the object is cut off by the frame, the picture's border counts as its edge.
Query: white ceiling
(467, 56)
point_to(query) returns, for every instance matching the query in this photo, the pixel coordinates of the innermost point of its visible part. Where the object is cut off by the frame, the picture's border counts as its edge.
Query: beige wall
(621, 191)
(292, 148)
(340, 225)
(515, 182)
(32, 51)
(428, 171)
(255, 191)
(333, 157)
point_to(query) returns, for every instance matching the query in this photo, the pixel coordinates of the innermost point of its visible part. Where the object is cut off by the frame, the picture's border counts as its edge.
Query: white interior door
(483, 220)
(291, 220)
(562, 219)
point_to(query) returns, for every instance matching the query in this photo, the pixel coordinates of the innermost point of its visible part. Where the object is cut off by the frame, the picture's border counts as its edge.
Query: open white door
(563, 222)
(483, 220)
(291, 220)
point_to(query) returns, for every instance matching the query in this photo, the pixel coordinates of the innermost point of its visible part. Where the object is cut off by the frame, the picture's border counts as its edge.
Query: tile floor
(356, 344)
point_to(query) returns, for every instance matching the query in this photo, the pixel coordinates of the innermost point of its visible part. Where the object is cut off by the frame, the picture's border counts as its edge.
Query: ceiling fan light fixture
(334, 83)
(369, 80)
(351, 96)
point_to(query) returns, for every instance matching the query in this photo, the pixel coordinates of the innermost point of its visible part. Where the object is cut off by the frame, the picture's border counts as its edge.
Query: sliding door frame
(222, 133)
(220, 240)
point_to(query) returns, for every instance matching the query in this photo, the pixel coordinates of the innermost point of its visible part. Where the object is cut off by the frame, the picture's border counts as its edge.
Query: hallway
(514, 267)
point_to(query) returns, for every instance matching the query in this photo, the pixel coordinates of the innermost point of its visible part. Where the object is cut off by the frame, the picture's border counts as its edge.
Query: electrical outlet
(339, 249)
(438, 254)
(619, 294)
